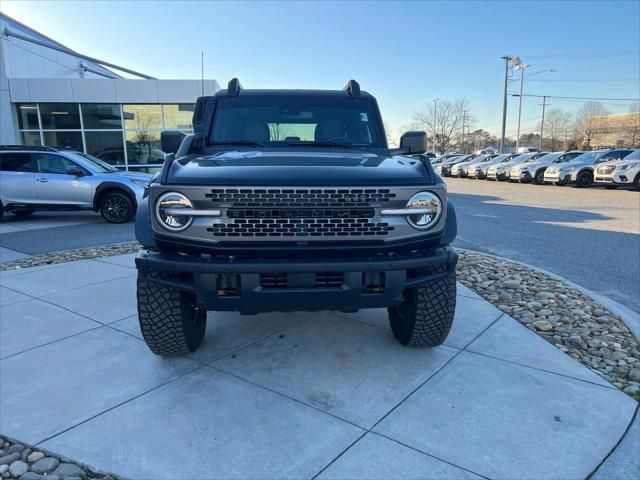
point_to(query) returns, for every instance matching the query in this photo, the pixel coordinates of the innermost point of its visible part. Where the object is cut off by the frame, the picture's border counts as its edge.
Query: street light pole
(506, 59)
(544, 104)
(522, 67)
(435, 122)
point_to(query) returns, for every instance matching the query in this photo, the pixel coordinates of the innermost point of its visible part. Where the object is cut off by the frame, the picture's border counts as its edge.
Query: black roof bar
(27, 147)
(234, 87)
(353, 88)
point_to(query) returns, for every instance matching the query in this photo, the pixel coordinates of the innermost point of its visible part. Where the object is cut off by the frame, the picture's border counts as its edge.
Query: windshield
(96, 163)
(281, 121)
(520, 158)
(587, 157)
(548, 157)
(633, 155)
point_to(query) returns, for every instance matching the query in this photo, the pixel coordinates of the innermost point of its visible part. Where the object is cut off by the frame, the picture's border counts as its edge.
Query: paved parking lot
(291, 395)
(590, 236)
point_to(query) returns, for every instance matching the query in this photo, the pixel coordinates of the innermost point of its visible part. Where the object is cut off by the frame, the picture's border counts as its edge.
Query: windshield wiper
(321, 144)
(248, 143)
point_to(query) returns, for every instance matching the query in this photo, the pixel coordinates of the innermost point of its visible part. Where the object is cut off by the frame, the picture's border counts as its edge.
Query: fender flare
(116, 186)
(451, 225)
(144, 233)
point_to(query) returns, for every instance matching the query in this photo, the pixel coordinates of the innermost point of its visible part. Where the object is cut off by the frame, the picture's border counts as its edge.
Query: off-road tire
(170, 323)
(425, 316)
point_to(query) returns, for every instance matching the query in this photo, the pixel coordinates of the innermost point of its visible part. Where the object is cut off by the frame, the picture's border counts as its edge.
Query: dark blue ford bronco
(291, 200)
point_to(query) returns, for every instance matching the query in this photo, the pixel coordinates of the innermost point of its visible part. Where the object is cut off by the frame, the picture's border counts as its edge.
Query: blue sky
(405, 53)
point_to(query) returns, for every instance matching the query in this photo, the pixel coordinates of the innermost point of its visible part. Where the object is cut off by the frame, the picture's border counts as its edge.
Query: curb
(630, 318)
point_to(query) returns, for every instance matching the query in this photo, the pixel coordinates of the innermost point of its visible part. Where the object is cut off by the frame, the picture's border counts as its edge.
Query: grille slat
(354, 197)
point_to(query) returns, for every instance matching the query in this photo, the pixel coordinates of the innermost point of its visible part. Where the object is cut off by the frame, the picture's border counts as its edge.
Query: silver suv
(43, 178)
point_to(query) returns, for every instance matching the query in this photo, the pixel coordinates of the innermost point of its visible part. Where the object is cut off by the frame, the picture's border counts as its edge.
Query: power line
(579, 98)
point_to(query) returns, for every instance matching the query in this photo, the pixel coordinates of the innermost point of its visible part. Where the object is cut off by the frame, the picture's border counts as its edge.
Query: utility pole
(565, 137)
(506, 59)
(464, 120)
(544, 104)
(202, 72)
(522, 69)
(435, 122)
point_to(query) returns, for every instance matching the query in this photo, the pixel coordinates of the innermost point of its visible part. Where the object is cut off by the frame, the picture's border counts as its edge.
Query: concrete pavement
(291, 395)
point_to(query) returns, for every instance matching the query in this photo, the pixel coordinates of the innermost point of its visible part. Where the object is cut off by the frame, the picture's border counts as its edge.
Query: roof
(20, 27)
(292, 92)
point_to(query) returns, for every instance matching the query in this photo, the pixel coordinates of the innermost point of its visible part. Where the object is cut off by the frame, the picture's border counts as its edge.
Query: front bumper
(557, 177)
(248, 285)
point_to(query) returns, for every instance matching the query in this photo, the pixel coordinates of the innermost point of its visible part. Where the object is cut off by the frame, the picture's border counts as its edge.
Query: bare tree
(279, 131)
(444, 122)
(587, 123)
(556, 128)
(632, 126)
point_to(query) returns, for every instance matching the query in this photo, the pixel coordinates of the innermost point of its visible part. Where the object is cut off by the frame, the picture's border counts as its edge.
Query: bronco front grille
(300, 227)
(295, 197)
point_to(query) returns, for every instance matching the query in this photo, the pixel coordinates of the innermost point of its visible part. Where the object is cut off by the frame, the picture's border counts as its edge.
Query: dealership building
(52, 95)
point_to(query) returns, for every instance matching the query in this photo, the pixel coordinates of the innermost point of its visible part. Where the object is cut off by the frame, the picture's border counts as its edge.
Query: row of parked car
(611, 167)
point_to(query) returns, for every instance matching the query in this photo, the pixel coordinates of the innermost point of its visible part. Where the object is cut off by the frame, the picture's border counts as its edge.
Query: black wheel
(1, 210)
(584, 179)
(426, 313)
(116, 207)
(539, 177)
(22, 213)
(169, 320)
(636, 185)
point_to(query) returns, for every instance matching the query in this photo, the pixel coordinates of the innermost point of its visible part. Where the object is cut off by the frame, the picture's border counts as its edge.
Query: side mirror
(75, 171)
(414, 143)
(170, 140)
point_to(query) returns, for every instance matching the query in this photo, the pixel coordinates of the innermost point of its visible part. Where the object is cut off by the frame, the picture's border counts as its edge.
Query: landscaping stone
(35, 456)
(45, 465)
(66, 470)
(41, 467)
(18, 468)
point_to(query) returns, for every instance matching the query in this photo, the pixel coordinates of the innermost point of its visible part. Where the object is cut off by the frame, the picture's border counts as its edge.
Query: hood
(299, 167)
(134, 175)
(572, 163)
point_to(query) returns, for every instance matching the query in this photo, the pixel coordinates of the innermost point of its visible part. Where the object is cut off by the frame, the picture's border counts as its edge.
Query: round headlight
(167, 211)
(428, 210)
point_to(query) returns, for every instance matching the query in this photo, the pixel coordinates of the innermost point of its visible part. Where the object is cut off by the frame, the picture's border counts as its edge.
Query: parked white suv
(479, 170)
(580, 170)
(627, 172)
(603, 173)
(501, 171)
(533, 171)
(43, 178)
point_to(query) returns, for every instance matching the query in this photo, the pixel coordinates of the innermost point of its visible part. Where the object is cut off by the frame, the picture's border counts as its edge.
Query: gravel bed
(72, 255)
(22, 462)
(562, 315)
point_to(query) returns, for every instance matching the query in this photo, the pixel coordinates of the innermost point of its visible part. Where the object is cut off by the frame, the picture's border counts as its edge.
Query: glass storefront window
(60, 116)
(27, 116)
(101, 116)
(178, 116)
(142, 117)
(143, 146)
(64, 140)
(107, 146)
(31, 139)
